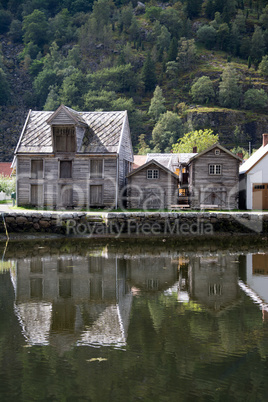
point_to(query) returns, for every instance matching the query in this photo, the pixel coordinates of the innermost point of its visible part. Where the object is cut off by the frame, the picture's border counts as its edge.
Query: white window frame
(217, 152)
(214, 169)
(152, 174)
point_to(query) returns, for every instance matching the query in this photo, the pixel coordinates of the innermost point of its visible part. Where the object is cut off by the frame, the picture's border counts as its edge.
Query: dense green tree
(187, 54)
(263, 66)
(202, 90)
(126, 16)
(107, 100)
(264, 18)
(35, 28)
(207, 35)
(134, 29)
(5, 20)
(143, 147)
(202, 139)
(167, 131)
(255, 99)
(223, 36)
(61, 28)
(172, 50)
(229, 89)
(172, 20)
(15, 31)
(244, 49)
(163, 41)
(153, 13)
(257, 48)
(148, 75)
(53, 100)
(193, 8)
(73, 88)
(45, 79)
(229, 10)
(157, 105)
(118, 79)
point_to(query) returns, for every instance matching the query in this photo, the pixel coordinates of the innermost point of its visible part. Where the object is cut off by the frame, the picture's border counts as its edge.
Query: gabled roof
(253, 159)
(167, 160)
(73, 115)
(159, 165)
(171, 161)
(101, 131)
(213, 147)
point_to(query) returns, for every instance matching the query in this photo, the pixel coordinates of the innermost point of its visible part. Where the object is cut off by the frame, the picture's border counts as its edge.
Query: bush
(7, 184)
(202, 90)
(255, 99)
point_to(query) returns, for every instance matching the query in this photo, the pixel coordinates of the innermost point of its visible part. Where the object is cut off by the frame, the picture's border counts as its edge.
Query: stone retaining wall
(131, 223)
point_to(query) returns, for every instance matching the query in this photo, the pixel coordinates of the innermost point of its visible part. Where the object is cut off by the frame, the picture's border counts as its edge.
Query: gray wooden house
(213, 180)
(152, 186)
(73, 159)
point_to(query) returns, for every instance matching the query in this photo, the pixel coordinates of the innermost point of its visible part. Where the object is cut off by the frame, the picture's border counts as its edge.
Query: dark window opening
(64, 139)
(65, 169)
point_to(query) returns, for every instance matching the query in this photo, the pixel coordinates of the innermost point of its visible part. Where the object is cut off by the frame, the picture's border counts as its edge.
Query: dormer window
(64, 139)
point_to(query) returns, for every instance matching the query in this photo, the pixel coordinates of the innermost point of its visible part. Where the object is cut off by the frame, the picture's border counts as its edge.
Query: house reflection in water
(210, 281)
(256, 280)
(66, 301)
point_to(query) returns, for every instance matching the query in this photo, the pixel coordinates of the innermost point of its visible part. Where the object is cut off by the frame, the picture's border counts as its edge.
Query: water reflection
(126, 323)
(86, 300)
(66, 301)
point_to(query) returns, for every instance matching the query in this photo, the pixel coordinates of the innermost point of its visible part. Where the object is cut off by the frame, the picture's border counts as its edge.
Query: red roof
(5, 168)
(139, 160)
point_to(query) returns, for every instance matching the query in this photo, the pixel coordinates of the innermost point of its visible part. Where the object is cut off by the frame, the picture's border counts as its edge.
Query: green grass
(6, 202)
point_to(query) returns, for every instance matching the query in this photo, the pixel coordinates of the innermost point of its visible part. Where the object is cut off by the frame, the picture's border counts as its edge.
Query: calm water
(128, 322)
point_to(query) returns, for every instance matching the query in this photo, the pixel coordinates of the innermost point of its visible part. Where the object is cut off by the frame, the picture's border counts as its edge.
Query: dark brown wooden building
(73, 159)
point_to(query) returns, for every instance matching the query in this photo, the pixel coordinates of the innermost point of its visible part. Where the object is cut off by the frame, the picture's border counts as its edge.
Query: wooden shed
(214, 179)
(152, 186)
(73, 159)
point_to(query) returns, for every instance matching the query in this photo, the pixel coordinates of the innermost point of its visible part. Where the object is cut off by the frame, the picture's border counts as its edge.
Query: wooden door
(95, 195)
(36, 194)
(66, 195)
(260, 196)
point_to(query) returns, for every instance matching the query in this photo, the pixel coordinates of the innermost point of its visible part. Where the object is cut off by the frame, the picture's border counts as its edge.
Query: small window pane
(155, 174)
(152, 174)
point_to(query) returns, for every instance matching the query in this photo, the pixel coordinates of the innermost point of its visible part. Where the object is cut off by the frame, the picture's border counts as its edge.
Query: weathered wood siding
(62, 118)
(125, 154)
(71, 191)
(223, 187)
(147, 193)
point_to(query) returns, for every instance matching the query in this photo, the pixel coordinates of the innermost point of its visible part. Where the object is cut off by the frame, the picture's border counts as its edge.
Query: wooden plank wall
(138, 185)
(80, 180)
(201, 178)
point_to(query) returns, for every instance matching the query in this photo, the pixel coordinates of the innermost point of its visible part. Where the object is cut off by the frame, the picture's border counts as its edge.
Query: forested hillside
(175, 66)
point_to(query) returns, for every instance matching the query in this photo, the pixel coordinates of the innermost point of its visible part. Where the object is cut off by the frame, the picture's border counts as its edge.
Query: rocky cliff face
(234, 127)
